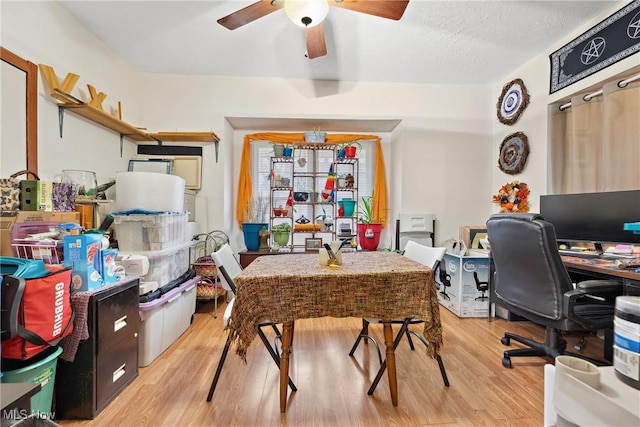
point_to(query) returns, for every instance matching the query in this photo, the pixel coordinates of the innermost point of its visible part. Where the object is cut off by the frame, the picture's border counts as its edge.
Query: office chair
(445, 279)
(425, 255)
(481, 286)
(531, 281)
(229, 269)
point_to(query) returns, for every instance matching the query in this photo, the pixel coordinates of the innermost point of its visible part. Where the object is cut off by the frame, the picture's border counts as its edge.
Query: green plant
(282, 227)
(349, 143)
(365, 213)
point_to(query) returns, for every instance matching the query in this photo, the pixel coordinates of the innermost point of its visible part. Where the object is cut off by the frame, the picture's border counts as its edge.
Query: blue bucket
(348, 207)
(251, 231)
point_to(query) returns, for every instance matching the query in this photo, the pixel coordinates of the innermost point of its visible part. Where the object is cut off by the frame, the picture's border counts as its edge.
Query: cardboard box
(471, 235)
(83, 254)
(462, 297)
(108, 266)
(8, 218)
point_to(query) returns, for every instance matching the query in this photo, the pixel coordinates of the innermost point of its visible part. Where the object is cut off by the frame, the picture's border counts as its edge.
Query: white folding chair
(426, 255)
(229, 268)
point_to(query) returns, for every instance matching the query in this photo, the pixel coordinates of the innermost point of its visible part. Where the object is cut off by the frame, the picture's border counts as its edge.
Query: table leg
(391, 362)
(287, 329)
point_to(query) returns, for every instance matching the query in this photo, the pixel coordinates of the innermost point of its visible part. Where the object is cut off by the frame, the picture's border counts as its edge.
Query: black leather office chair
(481, 286)
(531, 281)
(445, 279)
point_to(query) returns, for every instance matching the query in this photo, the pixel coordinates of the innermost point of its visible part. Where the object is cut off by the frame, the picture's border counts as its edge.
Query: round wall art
(513, 153)
(512, 102)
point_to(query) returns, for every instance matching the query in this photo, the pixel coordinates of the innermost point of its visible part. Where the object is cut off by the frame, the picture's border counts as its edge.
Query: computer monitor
(593, 217)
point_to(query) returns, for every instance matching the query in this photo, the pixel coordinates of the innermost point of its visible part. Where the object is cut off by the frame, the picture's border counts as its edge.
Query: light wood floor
(332, 387)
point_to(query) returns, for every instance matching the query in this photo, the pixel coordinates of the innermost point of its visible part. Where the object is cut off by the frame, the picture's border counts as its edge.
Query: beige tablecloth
(287, 287)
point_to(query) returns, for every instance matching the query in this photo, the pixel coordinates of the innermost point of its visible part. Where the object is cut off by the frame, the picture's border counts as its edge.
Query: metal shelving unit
(317, 217)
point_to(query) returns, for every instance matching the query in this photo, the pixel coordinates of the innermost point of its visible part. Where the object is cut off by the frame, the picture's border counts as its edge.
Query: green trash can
(42, 371)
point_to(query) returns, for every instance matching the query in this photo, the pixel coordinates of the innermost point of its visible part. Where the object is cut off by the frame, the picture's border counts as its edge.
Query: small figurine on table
(263, 234)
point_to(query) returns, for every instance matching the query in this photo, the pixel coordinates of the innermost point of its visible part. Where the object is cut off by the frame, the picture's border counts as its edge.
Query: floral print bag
(10, 190)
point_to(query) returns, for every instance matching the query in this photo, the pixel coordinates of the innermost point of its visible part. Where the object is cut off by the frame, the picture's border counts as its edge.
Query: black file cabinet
(106, 362)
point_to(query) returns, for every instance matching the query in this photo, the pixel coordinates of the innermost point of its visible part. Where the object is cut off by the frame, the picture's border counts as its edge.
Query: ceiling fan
(309, 14)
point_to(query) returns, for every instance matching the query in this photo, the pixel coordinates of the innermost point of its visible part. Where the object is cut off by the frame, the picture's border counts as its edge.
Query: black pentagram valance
(608, 42)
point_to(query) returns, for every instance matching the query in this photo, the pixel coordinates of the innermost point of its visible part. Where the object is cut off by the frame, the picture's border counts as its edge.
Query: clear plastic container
(164, 265)
(152, 232)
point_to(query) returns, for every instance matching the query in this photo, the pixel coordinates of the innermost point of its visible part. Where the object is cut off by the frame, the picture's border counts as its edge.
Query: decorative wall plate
(513, 153)
(512, 102)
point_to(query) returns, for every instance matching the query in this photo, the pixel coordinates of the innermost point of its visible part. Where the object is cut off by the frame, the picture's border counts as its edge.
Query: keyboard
(580, 254)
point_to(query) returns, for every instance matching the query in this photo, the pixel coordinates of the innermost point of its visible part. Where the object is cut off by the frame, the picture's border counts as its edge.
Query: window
(262, 151)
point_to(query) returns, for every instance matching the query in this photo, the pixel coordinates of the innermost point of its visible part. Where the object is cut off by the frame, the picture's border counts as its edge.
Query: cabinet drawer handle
(120, 323)
(118, 373)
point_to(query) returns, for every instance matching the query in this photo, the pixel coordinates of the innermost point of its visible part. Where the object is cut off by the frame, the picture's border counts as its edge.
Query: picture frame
(312, 244)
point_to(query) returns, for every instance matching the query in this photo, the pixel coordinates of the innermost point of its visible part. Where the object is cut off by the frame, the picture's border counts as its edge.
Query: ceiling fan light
(306, 13)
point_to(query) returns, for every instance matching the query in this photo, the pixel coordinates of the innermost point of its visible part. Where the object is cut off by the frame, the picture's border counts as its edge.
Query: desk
(596, 268)
(247, 257)
(383, 285)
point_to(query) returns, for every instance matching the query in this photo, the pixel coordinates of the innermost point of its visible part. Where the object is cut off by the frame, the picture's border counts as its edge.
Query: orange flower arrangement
(513, 197)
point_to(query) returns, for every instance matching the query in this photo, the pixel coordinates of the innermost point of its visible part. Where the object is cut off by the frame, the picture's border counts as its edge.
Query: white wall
(438, 153)
(534, 121)
(43, 32)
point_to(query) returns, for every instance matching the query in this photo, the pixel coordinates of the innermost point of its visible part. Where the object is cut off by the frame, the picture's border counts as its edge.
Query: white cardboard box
(162, 321)
(462, 297)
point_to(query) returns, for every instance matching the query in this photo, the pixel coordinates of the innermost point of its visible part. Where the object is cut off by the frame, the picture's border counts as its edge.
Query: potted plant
(278, 149)
(324, 221)
(255, 219)
(315, 136)
(369, 227)
(280, 233)
(348, 149)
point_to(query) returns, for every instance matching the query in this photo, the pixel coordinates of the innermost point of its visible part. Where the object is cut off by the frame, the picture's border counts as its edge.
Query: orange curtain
(245, 183)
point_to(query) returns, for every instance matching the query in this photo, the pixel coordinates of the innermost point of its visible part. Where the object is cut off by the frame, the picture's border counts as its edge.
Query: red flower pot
(369, 236)
(350, 151)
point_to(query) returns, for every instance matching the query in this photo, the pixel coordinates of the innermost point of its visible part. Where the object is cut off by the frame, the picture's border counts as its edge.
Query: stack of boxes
(162, 242)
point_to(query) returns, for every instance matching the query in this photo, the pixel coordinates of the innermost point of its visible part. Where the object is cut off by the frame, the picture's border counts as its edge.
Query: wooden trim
(31, 71)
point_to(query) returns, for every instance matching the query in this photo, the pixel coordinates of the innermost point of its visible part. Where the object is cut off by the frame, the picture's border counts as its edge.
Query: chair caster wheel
(505, 341)
(506, 362)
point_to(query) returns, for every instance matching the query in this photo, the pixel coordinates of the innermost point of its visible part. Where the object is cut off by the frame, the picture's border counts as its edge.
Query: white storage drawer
(162, 321)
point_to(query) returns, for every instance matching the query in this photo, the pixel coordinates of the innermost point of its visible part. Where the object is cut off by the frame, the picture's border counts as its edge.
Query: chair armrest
(604, 290)
(600, 286)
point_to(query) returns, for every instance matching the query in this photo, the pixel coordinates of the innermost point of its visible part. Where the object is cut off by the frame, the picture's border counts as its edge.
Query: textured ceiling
(438, 42)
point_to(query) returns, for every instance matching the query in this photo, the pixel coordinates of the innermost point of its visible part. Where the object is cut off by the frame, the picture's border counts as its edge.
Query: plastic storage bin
(164, 265)
(152, 232)
(163, 320)
(41, 370)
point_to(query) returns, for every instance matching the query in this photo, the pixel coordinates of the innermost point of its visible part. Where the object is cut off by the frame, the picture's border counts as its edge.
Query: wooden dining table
(287, 287)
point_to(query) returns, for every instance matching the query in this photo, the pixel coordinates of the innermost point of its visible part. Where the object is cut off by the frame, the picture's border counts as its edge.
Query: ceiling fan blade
(316, 45)
(390, 9)
(250, 14)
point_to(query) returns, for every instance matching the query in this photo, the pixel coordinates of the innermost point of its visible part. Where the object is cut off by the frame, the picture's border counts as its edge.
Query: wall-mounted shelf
(124, 129)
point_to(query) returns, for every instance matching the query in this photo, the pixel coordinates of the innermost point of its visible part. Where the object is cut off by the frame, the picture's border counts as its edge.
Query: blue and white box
(462, 296)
